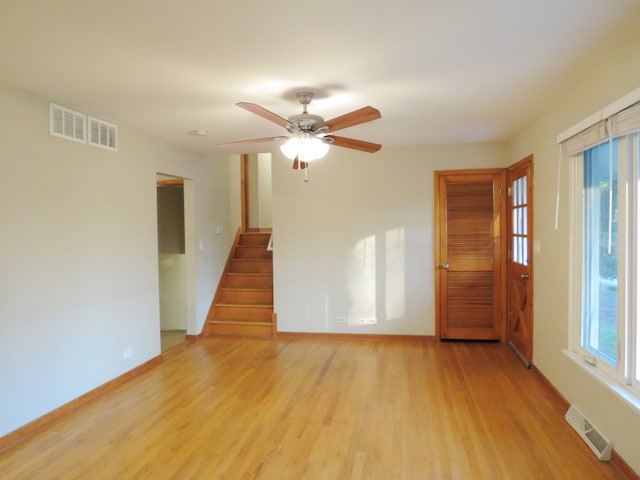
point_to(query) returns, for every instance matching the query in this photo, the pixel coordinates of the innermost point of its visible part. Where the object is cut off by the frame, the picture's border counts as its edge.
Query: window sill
(631, 398)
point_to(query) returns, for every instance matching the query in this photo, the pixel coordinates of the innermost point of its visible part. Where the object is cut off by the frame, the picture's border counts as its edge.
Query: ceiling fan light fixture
(305, 147)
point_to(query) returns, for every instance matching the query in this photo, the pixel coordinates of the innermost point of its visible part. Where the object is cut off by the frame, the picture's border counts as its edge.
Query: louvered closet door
(469, 269)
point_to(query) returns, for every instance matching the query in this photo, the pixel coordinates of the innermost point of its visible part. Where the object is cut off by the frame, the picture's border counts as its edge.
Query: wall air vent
(103, 134)
(592, 437)
(67, 123)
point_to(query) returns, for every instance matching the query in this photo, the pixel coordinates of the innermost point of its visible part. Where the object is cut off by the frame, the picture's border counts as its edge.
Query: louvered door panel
(469, 218)
(470, 302)
(469, 274)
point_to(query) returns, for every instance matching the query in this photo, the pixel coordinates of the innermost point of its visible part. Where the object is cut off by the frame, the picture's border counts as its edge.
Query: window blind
(586, 139)
(625, 122)
(619, 118)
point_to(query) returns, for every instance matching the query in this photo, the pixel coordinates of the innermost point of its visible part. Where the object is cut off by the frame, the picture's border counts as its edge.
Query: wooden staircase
(243, 304)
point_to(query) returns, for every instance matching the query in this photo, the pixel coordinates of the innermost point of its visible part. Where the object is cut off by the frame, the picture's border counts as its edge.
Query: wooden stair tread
(264, 274)
(238, 259)
(253, 251)
(252, 289)
(244, 305)
(254, 238)
(238, 322)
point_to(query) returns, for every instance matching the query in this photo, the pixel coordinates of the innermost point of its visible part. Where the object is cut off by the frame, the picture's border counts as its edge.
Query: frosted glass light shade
(306, 147)
(290, 148)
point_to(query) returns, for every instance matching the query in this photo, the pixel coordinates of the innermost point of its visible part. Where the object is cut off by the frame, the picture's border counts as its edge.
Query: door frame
(501, 222)
(189, 246)
(244, 191)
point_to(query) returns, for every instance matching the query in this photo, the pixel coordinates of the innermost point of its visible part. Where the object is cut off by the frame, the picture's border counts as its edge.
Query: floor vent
(592, 437)
(103, 134)
(66, 123)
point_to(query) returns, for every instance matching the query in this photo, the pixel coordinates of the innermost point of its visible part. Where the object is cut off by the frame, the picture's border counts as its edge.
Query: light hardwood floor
(241, 408)
(171, 338)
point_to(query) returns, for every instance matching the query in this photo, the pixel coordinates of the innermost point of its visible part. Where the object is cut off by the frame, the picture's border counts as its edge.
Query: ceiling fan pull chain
(306, 177)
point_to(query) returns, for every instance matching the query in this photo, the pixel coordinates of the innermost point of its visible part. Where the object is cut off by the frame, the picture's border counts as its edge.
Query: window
(605, 159)
(600, 252)
(519, 230)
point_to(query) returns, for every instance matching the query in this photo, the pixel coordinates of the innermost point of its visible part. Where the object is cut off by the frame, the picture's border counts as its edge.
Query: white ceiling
(440, 71)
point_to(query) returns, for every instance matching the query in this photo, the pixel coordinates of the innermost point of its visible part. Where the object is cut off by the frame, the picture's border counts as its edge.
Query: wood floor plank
(263, 409)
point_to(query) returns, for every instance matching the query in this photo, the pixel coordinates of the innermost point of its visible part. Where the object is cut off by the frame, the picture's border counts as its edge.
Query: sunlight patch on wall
(395, 274)
(361, 278)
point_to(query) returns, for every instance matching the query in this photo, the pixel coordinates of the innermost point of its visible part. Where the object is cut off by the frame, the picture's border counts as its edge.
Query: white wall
(357, 240)
(235, 204)
(173, 291)
(264, 190)
(79, 255)
(254, 191)
(614, 70)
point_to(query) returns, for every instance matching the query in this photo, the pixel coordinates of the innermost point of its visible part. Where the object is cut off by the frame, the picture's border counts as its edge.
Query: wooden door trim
(502, 223)
(244, 191)
(520, 163)
(170, 183)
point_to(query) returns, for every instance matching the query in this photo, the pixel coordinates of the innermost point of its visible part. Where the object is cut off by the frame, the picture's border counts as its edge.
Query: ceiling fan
(312, 135)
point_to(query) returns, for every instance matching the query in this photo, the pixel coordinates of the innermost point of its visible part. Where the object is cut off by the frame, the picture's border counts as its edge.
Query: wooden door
(520, 259)
(470, 271)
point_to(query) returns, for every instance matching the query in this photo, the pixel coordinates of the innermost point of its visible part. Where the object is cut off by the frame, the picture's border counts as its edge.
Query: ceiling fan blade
(295, 163)
(264, 113)
(353, 143)
(255, 140)
(363, 115)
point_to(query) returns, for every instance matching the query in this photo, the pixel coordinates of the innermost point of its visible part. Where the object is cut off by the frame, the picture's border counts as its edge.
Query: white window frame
(628, 267)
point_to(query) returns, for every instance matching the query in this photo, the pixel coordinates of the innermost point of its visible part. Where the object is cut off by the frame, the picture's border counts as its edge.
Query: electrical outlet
(341, 320)
(369, 321)
(352, 320)
(127, 353)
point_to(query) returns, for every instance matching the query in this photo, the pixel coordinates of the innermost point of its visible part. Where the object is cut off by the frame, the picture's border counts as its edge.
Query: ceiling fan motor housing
(305, 122)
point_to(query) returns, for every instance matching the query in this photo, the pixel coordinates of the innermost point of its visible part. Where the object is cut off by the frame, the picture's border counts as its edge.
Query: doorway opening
(175, 258)
(255, 192)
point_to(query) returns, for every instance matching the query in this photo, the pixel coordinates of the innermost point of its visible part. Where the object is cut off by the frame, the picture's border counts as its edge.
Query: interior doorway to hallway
(172, 260)
(255, 191)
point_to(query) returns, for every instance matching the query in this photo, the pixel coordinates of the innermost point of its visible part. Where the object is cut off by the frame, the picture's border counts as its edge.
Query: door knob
(445, 266)
(524, 276)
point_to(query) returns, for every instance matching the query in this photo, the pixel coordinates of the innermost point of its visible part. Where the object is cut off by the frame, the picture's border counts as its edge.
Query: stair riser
(251, 266)
(242, 313)
(249, 297)
(253, 252)
(248, 329)
(254, 239)
(248, 281)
